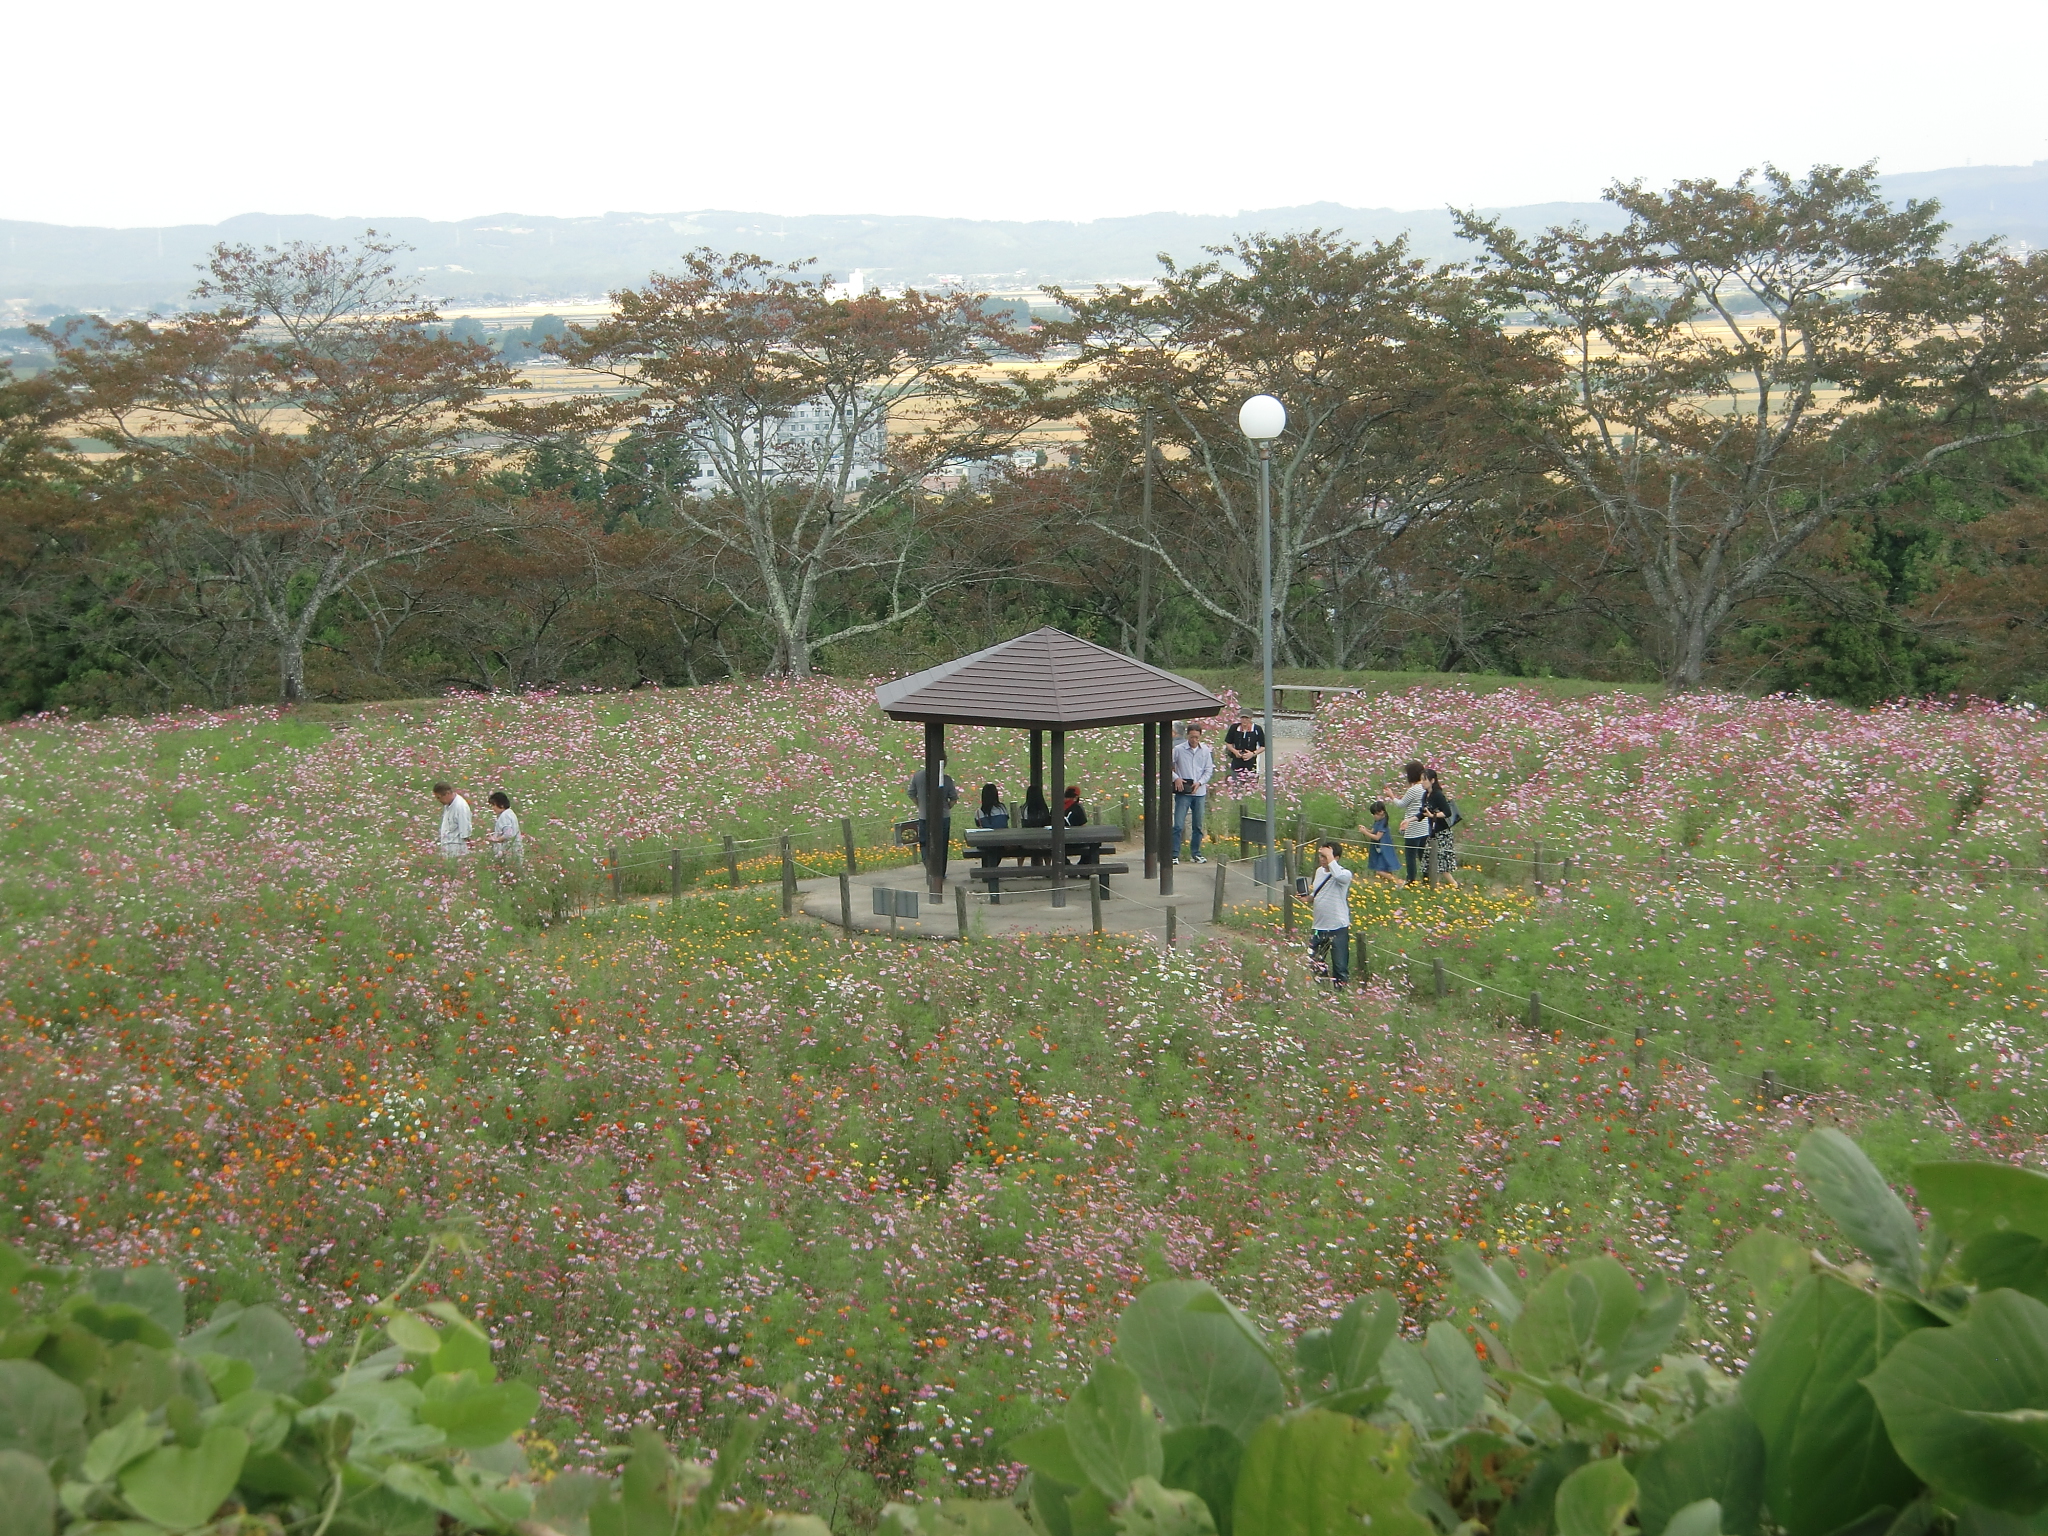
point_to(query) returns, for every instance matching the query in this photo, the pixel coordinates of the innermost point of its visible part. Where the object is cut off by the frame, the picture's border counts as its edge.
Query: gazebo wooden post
(1037, 770)
(1166, 807)
(1150, 783)
(934, 809)
(1059, 818)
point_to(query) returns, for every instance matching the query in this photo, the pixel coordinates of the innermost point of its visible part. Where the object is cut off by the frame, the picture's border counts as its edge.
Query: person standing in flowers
(1382, 860)
(1441, 812)
(454, 835)
(1242, 744)
(506, 842)
(1414, 825)
(1329, 902)
(949, 796)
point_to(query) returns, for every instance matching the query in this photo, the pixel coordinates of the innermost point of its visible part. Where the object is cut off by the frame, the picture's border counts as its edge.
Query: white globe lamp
(1262, 418)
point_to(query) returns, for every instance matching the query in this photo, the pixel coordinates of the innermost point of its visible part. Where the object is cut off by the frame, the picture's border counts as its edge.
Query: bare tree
(820, 422)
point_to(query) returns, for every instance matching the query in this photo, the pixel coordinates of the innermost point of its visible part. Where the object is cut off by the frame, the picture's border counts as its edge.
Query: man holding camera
(1193, 766)
(1329, 900)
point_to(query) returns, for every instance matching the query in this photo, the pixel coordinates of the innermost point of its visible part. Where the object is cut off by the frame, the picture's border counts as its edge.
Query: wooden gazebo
(1051, 682)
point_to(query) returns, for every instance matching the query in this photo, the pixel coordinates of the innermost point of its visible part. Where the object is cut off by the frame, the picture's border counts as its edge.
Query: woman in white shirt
(506, 842)
(1414, 825)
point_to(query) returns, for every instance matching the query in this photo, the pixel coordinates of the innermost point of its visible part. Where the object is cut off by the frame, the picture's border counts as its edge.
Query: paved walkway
(1133, 904)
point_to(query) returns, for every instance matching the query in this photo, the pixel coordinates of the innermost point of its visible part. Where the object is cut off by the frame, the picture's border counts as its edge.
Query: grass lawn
(894, 1196)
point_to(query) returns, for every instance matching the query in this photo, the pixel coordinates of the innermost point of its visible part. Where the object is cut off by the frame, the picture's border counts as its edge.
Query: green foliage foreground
(1903, 1393)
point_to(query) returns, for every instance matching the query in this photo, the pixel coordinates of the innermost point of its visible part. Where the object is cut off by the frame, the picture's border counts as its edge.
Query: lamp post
(1263, 418)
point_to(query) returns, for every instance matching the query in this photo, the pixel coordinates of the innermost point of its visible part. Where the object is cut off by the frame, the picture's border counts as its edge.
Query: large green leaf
(954, 1517)
(1719, 1455)
(1199, 1359)
(1529, 1512)
(1205, 1459)
(1702, 1517)
(28, 1503)
(1827, 1459)
(1972, 1198)
(1943, 1392)
(1662, 1309)
(1326, 1474)
(1773, 1265)
(473, 1413)
(1361, 1336)
(1578, 1311)
(1152, 1509)
(151, 1289)
(1048, 1452)
(1595, 1500)
(1113, 1431)
(1470, 1269)
(41, 1414)
(259, 1335)
(1440, 1384)
(1867, 1210)
(181, 1486)
(2011, 1261)
(112, 1449)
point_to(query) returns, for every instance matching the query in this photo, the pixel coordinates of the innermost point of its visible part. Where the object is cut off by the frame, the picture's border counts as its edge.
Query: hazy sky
(150, 114)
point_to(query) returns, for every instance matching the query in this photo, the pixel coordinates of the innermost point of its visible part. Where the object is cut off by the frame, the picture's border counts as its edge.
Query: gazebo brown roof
(1048, 683)
(1046, 680)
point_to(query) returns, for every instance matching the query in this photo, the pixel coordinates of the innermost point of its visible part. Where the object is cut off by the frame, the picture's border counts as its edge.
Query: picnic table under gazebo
(1048, 683)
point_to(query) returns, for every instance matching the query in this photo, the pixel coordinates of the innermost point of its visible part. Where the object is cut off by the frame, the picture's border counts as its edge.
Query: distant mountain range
(512, 257)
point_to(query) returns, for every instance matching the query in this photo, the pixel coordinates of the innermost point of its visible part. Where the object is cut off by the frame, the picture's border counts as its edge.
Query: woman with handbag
(1442, 813)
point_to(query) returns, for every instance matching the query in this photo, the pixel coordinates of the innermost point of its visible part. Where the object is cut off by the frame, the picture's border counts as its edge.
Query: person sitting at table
(995, 816)
(1074, 814)
(1036, 812)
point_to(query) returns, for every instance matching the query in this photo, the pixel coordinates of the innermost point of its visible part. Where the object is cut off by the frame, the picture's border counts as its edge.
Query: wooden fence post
(1364, 960)
(1095, 904)
(846, 832)
(1536, 1010)
(1172, 925)
(960, 907)
(732, 862)
(846, 903)
(675, 877)
(788, 878)
(1287, 897)
(1216, 911)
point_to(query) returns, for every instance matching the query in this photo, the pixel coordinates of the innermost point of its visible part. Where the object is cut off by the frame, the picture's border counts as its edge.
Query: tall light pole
(1263, 418)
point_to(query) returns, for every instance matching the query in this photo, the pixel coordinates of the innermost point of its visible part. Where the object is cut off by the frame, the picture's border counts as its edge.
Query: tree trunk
(291, 667)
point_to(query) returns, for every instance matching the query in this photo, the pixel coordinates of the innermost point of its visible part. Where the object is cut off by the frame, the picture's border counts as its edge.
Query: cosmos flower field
(893, 1196)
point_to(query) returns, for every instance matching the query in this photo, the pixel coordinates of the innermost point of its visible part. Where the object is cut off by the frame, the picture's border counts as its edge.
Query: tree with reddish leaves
(1393, 374)
(826, 428)
(1744, 364)
(306, 429)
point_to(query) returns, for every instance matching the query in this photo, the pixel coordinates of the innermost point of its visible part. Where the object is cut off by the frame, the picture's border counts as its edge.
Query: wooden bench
(1077, 875)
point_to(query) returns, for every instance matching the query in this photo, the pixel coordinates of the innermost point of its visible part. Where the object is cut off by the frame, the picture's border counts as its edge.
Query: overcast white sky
(147, 114)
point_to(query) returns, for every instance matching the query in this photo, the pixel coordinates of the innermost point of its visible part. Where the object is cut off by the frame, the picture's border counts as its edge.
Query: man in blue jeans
(1329, 899)
(1193, 766)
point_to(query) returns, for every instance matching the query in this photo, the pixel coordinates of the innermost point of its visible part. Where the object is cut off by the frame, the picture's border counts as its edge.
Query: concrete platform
(1133, 904)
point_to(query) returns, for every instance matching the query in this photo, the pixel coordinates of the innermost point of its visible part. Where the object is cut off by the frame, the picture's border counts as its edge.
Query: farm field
(892, 1198)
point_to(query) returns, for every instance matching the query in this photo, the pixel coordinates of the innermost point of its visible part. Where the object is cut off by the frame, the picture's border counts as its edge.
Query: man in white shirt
(454, 821)
(1329, 900)
(1193, 766)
